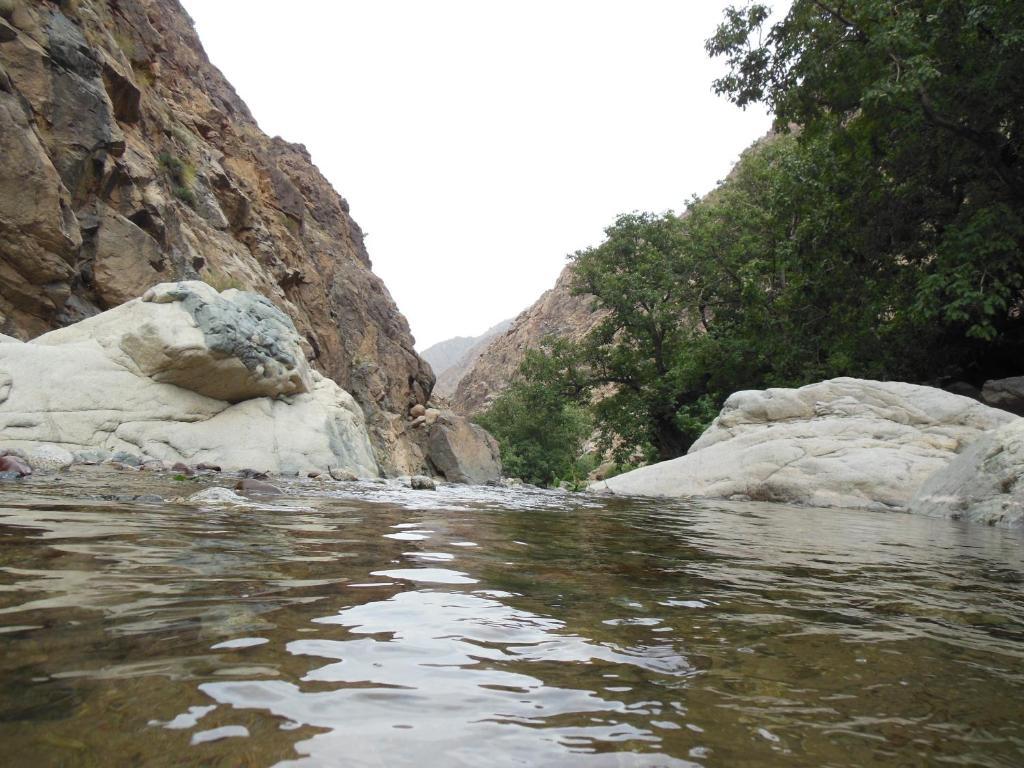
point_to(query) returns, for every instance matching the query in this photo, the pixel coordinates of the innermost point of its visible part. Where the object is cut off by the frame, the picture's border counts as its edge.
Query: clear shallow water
(387, 627)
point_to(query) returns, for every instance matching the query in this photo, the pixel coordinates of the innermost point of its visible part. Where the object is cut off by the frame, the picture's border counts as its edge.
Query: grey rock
(984, 484)
(838, 443)
(422, 483)
(259, 487)
(215, 495)
(342, 475)
(91, 457)
(51, 457)
(1007, 394)
(123, 457)
(463, 452)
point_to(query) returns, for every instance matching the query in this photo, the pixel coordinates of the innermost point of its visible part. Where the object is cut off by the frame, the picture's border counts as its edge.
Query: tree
(921, 105)
(642, 276)
(538, 420)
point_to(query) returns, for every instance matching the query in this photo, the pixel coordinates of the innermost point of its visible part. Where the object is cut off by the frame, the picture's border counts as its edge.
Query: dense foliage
(538, 423)
(879, 233)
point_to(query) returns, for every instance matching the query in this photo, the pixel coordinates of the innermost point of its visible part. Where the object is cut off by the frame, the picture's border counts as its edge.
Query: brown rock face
(470, 349)
(463, 452)
(556, 313)
(126, 159)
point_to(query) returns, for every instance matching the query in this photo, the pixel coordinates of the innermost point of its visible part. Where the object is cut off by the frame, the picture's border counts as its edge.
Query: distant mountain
(451, 359)
(445, 354)
(558, 312)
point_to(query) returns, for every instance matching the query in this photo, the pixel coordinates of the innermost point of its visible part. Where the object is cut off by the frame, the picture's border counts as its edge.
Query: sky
(481, 142)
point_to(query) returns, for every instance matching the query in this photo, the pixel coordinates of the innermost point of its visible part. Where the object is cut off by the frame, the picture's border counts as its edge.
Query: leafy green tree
(879, 233)
(921, 105)
(538, 422)
(649, 287)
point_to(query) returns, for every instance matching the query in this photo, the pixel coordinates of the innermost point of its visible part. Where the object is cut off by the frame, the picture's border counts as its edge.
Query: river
(370, 625)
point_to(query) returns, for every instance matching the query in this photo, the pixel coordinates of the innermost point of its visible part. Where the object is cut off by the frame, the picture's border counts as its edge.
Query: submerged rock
(422, 483)
(215, 495)
(839, 443)
(250, 486)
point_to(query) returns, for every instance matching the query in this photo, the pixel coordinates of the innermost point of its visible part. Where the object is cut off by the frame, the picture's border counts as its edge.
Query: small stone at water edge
(14, 464)
(249, 485)
(202, 466)
(422, 483)
(183, 469)
(252, 473)
(342, 474)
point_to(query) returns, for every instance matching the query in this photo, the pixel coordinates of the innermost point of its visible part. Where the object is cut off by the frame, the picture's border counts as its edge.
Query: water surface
(366, 625)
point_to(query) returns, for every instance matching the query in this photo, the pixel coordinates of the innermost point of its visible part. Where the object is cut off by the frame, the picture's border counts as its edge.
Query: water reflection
(474, 626)
(438, 667)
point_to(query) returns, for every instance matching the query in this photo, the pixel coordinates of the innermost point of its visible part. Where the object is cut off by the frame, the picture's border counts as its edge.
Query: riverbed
(366, 624)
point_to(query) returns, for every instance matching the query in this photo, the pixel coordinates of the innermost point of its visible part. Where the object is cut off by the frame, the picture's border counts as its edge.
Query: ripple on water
(434, 663)
(567, 631)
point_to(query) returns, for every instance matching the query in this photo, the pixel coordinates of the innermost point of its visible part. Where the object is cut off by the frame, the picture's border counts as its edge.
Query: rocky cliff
(126, 160)
(556, 313)
(450, 367)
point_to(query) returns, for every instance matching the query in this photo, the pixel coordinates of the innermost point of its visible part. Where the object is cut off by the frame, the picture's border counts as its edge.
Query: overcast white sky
(480, 142)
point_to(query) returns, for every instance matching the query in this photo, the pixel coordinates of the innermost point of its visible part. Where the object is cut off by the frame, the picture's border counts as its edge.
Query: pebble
(342, 474)
(204, 467)
(50, 457)
(422, 483)
(182, 469)
(417, 410)
(123, 457)
(15, 465)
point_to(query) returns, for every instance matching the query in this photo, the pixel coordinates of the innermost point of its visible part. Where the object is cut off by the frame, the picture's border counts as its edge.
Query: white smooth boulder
(839, 443)
(229, 346)
(103, 385)
(984, 484)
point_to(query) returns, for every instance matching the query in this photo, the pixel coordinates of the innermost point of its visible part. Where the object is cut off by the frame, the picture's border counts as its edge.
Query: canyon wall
(556, 313)
(127, 159)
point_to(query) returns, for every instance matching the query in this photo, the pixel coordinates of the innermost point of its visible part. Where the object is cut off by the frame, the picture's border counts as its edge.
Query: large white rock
(230, 346)
(82, 393)
(984, 484)
(839, 443)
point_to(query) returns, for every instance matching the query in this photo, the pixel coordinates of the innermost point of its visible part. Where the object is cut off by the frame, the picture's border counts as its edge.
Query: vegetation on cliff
(879, 233)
